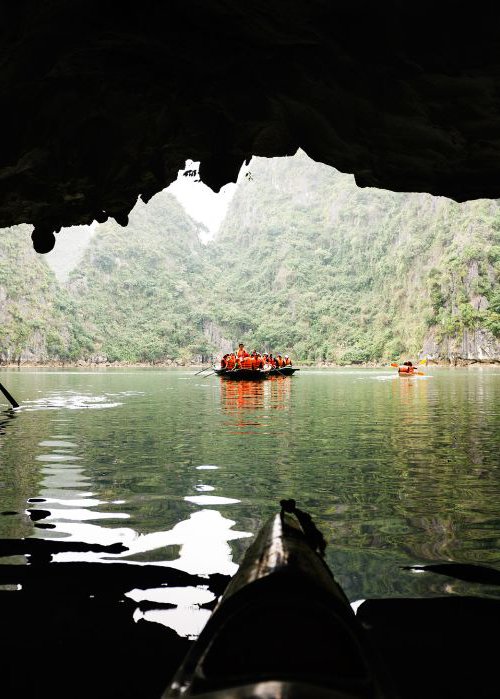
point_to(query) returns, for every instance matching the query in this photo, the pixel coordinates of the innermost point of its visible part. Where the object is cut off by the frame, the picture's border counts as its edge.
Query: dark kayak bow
(283, 628)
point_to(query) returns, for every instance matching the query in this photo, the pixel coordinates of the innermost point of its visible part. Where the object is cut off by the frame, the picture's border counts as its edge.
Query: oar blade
(11, 400)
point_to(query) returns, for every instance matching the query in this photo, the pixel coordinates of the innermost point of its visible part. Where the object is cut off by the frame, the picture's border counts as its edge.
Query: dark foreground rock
(69, 632)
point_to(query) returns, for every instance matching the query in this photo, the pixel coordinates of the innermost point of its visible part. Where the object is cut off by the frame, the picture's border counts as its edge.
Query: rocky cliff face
(477, 345)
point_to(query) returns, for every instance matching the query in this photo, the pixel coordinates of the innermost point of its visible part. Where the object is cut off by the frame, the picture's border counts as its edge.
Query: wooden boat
(243, 374)
(283, 371)
(283, 629)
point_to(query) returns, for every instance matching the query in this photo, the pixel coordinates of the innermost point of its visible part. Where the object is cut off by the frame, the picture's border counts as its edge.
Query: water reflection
(204, 549)
(187, 618)
(249, 403)
(69, 400)
(62, 475)
(6, 416)
(394, 470)
(410, 388)
(202, 543)
(198, 545)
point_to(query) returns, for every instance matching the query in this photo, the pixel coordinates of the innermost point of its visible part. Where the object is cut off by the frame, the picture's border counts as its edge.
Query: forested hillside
(139, 288)
(318, 267)
(37, 316)
(305, 263)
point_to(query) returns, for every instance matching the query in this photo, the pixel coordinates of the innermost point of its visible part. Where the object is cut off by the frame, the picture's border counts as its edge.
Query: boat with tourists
(253, 374)
(241, 365)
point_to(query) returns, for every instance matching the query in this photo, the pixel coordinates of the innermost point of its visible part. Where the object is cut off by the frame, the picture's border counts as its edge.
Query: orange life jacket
(406, 369)
(287, 361)
(242, 353)
(231, 361)
(247, 362)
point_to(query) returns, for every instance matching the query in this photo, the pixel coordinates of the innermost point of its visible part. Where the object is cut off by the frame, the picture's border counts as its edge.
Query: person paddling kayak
(406, 368)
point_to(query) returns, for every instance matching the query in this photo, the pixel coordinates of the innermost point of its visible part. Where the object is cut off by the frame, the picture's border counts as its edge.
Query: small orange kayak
(405, 370)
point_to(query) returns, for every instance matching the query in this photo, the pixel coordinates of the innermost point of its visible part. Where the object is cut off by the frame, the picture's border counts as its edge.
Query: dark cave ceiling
(102, 101)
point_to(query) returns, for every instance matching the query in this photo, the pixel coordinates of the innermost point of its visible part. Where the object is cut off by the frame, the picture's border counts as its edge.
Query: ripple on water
(210, 500)
(69, 402)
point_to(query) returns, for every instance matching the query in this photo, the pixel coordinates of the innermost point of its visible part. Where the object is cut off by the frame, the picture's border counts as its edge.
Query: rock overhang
(102, 103)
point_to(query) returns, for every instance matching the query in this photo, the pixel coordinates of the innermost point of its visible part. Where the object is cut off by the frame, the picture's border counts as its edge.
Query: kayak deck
(283, 628)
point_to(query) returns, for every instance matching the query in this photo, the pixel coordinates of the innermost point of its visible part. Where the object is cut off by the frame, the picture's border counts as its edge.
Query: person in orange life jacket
(288, 361)
(279, 361)
(406, 368)
(231, 361)
(241, 351)
(272, 360)
(259, 361)
(247, 362)
(223, 361)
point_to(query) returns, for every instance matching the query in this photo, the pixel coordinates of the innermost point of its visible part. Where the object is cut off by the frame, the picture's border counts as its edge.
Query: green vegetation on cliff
(316, 266)
(306, 262)
(37, 316)
(138, 288)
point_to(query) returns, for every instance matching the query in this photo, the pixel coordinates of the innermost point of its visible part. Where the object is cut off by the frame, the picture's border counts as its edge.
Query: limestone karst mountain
(305, 262)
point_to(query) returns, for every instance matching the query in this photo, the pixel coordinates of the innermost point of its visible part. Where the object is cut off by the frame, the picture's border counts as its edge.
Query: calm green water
(184, 469)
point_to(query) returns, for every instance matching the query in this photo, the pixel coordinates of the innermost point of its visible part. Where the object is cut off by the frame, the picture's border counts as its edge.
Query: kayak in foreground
(283, 628)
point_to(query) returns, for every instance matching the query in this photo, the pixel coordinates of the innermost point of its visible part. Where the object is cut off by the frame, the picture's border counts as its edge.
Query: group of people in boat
(241, 359)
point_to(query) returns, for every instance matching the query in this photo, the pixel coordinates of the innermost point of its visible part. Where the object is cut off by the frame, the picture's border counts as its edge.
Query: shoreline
(450, 364)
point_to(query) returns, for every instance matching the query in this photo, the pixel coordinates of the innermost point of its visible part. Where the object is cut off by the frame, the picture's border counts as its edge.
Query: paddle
(201, 370)
(278, 370)
(414, 373)
(8, 396)
(204, 377)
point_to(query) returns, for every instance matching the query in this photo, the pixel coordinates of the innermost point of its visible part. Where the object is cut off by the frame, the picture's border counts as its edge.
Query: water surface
(183, 470)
